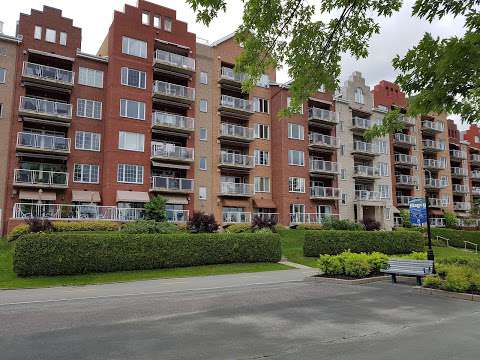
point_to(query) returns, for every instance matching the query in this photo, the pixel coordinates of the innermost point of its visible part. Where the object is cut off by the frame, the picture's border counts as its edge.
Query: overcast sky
(397, 35)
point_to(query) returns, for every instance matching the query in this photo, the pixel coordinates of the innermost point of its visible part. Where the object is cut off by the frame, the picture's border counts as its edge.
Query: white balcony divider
(459, 171)
(160, 118)
(458, 188)
(310, 218)
(236, 131)
(41, 178)
(433, 125)
(231, 188)
(171, 151)
(236, 217)
(235, 103)
(435, 183)
(43, 142)
(229, 74)
(322, 140)
(434, 164)
(363, 170)
(407, 180)
(362, 123)
(171, 184)
(405, 139)
(173, 90)
(317, 165)
(322, 192)
(322, 114)
(366, 147)
(433, 145)
(237, 160)
(165, 57)
(48, 73)
(177, 216)
(406, 159)
(45, 107)
(458, 154)
(366, 195)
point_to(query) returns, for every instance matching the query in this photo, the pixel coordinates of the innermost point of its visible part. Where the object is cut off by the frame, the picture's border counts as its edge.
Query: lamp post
(430, 255)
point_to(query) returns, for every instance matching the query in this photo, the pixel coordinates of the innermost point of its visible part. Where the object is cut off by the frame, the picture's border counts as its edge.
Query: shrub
(310, 227)
(405, 216)
(332, 223)
(263, 222)
(68, 226)
(377, 261)
(370, 224)
(456, 280)
(39, 225)
(155, 209)
(335, 241)
(202, 223)
(265, 230)
(18, 231)
(238, 228)
(76, 253)
(451, 220)
(432, 281)
(149, 227)
(355, 265)
(279, 227)
(330, 265)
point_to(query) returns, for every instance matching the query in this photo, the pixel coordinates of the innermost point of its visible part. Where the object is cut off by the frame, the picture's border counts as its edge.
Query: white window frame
(146, 18)
(359, 96)
(203, 105)
(343, 174)
(291, 157)
(125, 77)
(3, 75)
(122, 172)
(296, 184)
(260, 130)
(139, 141)
(37, 33)
(299, 134)
(261, 184)
(63, 38)
(259, 154)
(202, 193)
(260, 105)
(83, 177)
(140, 114)
(204, 160)
(167, 24)
(203, 77)
(128, 43)
(385, 191)
(85, 77)
(157, 21)
(344, 199)
(1, 110)
(48, 35)
(95, 138)
(204, 136)
(93, 104)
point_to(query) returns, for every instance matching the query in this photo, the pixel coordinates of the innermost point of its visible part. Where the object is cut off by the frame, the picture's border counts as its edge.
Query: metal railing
(171, 184)
(45, 107)
(435, 183)
(442, 238)
(434, 164)
(462, 206)
(407, 120)
(322, 140)
(180, 61)
(458, 188)
(173, 90)
(237, 160)
(239, 189)
(322, 114)
(406, 180)
(471, 244)
(433, 145)
(363, 170)
(405, 139)
(48, 73)
(310, 218)
(404, 200)
(468, 223)
(458, 154)
(267, 216)
(322, 192)
(437, 222)
(177, 216)
(43, 142)
(229, 74)
(317, 165)
(236, 217)
(236, 131)
(362, 123)
(476, 190)
(160, 118)
(475, 174)
(366, 147)
(475, 158)
(171, 151)
(235, 103)
(40, 178)
(433, 125)
(406, 159)
(459, 171)
(437, 203)
(366, 195)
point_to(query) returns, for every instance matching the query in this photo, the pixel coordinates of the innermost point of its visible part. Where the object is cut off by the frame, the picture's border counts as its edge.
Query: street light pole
(430, 255)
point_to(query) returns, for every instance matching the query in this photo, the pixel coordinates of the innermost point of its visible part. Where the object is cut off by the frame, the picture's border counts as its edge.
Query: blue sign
(418, 211)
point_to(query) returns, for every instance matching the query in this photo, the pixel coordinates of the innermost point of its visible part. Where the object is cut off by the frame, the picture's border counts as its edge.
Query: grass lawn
(9, 280)
(292, 247)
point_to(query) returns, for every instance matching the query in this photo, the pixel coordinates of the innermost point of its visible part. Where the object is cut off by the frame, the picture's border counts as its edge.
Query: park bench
(417, 268)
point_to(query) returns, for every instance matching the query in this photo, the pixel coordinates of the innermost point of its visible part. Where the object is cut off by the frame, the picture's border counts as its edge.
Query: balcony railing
(43, 142)
(476, 190)
(170, 90)
(163, 183)
(437, 126)
(434, 164)
(322, 115)
(362, 123)
(459, 171)
(433, 145)
(174, 121)
(236, 217)
(462, 206)
(230, 75)
(235, 103)
(366, 148)
(75, 212)
(40, 178)
(458, 188)
(404, 159)
(321, 192)
(236, 132)
(236, 160)
(174, 60)
(458, 154)
(366, 171)
(437, 222)
(475, 174)
(405, 139)
(468, 223)
(310, 218)
(404, 200)
(475, 158)
(316, 139)
(407, 120)
(406, 180)
(36, 106)
(236, 189)
(267, 216)
(437, 203)
(172, 152)
(48, 73)
(323, 166)
(433, 183)
(177, 216)
(366, 195)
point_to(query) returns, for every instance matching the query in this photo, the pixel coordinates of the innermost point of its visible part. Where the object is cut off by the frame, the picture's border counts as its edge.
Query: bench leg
(419, 281)
(394, 278)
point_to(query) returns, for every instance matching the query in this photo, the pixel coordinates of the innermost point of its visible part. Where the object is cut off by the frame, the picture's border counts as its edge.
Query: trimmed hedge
(334, 242)
(85, 225)
(457, 237)
(78, 253)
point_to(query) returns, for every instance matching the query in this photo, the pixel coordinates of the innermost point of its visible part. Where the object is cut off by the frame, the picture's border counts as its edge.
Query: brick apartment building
(155, 112)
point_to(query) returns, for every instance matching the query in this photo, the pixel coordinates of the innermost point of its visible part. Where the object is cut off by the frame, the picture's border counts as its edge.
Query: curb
(449, 294)
(348, 282)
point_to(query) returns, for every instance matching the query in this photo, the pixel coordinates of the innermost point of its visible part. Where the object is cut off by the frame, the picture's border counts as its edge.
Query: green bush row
(77, 253)
(334, 242)
(456, 237)
(456, 278)
(352, 264)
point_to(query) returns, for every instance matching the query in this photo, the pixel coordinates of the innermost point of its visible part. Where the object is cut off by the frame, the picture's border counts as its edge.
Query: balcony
(40, 179)
(171, 185)
(404, 140)
(366, 195)
(235, 132)
(321, 141)
(475, 175)
(231, 78)
(368, 172)
(462, 206)
(362, 123)
(270, 216)
(177, 216)
(460, 189)
(407, 120)
(234, 106)
(404, 200)
(173, 93)
(237, 161)
(406, 160)
(322, 116)
(164, 151)
(40, 143)
(475, 159)
(365, 148)
(167, 121)
(48, 75)
(310, 218)
(318, 166)
(236, 189)
(437, 203)
(459, 172)
(406, 180)
(437, 222)
(75, 212)
(324, 193)
(432, 183)
(236, 217)
(433, 126)
(45, 109)
(173, 62)
(433, 146)
(434, 164)
(476, 190)
(458, 155)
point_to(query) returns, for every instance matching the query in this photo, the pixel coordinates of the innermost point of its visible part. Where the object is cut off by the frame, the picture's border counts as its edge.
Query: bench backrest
(424, 266)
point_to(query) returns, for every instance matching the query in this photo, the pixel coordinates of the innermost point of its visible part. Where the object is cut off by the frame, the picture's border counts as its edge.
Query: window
(382, 147)
(134, 47)
(261, 184)
(384, 191)
(132, 109)
(90, 77)
(50, 35)
(131, 174)
(3, 51)
(145, 18)
(344, 199)
(3, 76)
(167, 24)
(260, 105)
(131, 141)
(89, 109)
(296, 158)
(289, 101)
(359, 98)
(38, 33)
(63, 38)
(387, 212)
(203, 134)
(296, 184)
(343, 174)
(477, 139)
(295, 131)
(203, 105)
(1, 110)
(262, 131)
(202, 193)
(261, 157)
(342, 150)
(203, 78)
(264, 81)
(86, 173)
(203, 163)
(85, 140)
(132, 77)
(157, 22)
(383, 169)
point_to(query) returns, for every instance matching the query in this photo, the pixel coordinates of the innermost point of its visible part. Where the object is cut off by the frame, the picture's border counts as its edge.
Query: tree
(438, 75)
(451, 220)
(155, 209)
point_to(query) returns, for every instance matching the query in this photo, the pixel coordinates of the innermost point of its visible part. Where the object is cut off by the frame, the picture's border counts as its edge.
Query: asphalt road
(273, 315)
